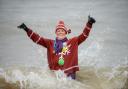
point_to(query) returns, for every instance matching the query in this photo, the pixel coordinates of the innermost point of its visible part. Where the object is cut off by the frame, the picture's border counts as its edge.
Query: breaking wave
(22, 77)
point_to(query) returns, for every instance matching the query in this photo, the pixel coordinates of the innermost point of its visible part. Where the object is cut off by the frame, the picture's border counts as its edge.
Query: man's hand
(23, 26)
(91, 20)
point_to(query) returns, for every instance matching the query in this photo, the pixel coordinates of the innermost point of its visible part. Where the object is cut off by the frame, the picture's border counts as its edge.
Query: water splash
(42, 78)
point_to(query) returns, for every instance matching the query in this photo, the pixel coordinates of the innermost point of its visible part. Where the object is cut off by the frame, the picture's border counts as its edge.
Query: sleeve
(84, 35)
(37, 39)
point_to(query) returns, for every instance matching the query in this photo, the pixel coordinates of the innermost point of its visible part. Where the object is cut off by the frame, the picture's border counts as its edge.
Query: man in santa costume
(62, 53)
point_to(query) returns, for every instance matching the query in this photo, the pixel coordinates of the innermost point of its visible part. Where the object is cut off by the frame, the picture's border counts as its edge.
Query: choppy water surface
(103, 57)
(42, 78)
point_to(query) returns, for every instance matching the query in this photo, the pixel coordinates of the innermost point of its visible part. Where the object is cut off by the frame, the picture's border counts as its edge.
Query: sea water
(43, 78)
(103, 57)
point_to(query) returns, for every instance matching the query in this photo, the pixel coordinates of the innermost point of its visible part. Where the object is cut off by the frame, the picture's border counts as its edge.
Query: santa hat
(61, 25)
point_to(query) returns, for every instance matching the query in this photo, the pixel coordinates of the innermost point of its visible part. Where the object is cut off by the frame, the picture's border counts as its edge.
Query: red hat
(62, 26)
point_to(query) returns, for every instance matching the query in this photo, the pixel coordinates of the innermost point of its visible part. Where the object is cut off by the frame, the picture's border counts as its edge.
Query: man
(62, 53)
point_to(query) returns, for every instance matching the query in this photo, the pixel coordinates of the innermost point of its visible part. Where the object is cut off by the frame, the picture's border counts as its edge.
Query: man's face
(60, 34)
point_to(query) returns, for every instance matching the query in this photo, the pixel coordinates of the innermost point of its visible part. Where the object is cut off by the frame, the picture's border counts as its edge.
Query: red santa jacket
(71, 53)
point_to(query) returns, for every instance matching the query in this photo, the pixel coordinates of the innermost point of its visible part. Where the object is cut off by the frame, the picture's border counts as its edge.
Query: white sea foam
(41, 78)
